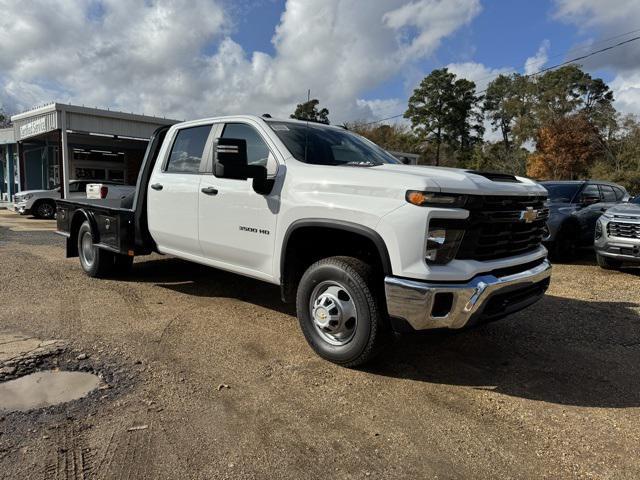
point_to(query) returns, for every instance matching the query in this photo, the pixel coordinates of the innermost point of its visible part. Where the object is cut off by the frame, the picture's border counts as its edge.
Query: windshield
(635, 200)
(562, 192)
(329, 146)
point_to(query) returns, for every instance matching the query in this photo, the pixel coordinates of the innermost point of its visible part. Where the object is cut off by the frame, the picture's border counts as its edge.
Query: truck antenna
(306, 131)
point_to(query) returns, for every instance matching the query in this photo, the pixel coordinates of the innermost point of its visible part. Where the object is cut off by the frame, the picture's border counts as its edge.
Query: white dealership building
(59, 142)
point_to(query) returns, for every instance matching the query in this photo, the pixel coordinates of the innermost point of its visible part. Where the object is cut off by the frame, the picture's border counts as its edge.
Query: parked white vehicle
(42, 203)
(617, 235)
(362, 243)
(108, 190)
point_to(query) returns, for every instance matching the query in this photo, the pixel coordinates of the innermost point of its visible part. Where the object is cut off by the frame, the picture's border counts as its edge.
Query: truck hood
(455, 180)
(630, 209)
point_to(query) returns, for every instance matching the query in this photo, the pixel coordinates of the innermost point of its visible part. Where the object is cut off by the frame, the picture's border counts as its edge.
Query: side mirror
(231, 159)
(231, 162)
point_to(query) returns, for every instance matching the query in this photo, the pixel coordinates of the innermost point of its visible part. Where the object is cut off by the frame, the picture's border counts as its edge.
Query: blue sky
(361, 58)
(504, 34)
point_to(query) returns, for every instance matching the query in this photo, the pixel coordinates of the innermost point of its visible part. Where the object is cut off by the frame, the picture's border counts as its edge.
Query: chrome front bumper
(452, 305)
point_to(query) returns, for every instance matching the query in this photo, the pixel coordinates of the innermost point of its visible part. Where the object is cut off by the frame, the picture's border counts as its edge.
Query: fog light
(442, 245)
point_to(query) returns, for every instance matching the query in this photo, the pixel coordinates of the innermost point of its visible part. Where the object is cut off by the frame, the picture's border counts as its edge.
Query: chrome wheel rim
(45, 210)
(333, 313)
(87, 249)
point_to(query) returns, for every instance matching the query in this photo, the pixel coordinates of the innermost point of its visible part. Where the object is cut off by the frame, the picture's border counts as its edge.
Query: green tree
(429, 108)
(465, 119)
(444, 110)
(309, 111)
(394, 137)
(506, 103)
(570, 90)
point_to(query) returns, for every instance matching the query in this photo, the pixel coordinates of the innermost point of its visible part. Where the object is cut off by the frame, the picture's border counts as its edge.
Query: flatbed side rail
(112, 227)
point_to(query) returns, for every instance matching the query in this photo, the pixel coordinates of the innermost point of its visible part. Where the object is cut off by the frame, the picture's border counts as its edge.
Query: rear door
(172, 198)
(237, 225)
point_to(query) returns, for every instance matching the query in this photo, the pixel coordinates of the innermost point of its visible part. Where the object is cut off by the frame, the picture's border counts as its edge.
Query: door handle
(209, 190)
(157, 186)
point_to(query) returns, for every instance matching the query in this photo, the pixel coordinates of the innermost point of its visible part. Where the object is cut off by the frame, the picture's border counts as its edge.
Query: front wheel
(340, 311)
(608, 263)
(44, 209)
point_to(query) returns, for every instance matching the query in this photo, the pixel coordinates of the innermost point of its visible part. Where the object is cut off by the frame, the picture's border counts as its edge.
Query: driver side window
(257, 150)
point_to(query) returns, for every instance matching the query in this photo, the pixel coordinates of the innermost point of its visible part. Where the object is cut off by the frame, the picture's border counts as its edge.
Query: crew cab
(362, 243)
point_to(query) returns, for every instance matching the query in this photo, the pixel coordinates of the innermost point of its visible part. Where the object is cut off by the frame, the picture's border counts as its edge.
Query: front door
(237, 225)
(172, 201)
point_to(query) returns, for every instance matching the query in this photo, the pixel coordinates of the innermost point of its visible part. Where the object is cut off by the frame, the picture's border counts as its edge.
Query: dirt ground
(551, 392)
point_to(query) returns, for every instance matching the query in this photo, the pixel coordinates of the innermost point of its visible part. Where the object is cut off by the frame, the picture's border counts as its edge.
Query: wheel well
(308, 244)
(72, 244)
(43, 200)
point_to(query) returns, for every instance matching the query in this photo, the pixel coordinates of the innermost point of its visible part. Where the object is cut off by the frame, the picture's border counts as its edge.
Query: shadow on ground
(586, 256)
(560, 350)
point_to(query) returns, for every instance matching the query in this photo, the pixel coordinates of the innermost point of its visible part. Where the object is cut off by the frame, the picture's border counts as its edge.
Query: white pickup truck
(42, 203)
(362, 243)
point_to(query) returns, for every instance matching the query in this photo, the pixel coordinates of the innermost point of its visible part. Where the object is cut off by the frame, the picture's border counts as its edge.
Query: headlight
(442, 244)
(598, 229)
(435, 199)
(24, 197)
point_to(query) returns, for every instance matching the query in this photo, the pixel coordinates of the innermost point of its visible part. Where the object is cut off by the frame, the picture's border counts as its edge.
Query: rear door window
(608, 194)
(188, 147)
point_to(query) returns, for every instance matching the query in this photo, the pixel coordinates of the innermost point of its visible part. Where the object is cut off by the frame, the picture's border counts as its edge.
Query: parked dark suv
(574, 208)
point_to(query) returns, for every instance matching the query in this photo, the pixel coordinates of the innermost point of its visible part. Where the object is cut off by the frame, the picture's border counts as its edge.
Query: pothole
(45, 389)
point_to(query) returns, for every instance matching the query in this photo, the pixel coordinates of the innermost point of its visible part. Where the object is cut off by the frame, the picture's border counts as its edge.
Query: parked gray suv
(617, 235)
(574, 208)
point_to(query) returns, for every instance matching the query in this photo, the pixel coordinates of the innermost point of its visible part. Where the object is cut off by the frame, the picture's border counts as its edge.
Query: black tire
(371, 331)
(563, 248)
(95, 261)
(608, 263)
(44, 209)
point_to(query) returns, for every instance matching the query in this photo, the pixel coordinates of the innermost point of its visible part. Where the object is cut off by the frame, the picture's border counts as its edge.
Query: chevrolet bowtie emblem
(529, 215)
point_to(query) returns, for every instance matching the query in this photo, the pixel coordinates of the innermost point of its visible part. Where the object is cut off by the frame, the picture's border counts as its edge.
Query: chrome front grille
(623, 229)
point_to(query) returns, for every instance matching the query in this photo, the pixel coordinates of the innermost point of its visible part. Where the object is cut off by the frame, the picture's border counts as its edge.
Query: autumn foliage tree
(566, 149)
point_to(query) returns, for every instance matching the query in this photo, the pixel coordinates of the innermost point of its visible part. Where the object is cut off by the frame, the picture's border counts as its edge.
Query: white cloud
(535, 63)
(435, 19)
(627, 92)
(177, 57)
(609, 19)
(477, 72)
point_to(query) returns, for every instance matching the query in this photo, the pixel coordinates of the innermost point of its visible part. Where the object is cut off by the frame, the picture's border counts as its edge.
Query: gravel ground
(551, 392)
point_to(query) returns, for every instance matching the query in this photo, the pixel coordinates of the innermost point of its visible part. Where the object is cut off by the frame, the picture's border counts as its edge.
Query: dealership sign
(34, 127)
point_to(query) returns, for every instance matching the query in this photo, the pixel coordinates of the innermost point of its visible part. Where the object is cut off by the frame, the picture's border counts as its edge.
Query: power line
(571, 51)
(546, 69)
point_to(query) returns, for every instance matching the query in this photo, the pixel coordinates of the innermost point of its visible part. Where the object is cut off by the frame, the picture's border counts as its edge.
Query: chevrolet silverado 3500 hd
(362, 243)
